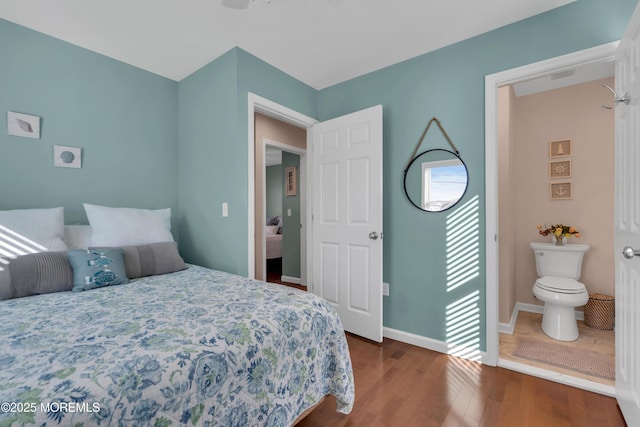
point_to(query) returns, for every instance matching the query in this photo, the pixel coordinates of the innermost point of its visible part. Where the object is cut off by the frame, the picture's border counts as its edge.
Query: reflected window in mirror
(435, 180)
(443, 183)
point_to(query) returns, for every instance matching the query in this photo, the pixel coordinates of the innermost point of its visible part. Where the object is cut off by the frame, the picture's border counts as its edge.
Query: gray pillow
(152, 259)
(33, 274)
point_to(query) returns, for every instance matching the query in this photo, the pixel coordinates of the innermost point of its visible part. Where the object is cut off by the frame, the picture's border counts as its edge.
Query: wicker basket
(599, 311)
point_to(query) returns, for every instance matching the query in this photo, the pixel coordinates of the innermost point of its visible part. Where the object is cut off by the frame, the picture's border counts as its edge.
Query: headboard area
(77, 236)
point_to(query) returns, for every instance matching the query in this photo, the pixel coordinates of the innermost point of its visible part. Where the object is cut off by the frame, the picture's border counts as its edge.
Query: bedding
(274, 246)
(193, 347)
(273, 237)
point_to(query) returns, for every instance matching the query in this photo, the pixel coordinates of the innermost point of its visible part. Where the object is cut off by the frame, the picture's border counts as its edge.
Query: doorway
(280, 159)
(256, 223)
(496, 241)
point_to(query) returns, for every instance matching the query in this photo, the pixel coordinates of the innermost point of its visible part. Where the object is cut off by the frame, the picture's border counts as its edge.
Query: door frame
(303, 202)
(599, 54)
(256, 103)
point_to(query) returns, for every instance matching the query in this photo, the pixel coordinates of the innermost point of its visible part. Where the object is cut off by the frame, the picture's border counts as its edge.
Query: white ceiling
(320, 42)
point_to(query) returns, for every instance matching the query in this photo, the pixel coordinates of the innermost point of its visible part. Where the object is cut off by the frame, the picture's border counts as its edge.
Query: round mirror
(435, 180)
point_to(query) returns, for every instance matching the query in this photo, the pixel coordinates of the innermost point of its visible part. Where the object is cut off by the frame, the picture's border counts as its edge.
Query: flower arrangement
(559, 231)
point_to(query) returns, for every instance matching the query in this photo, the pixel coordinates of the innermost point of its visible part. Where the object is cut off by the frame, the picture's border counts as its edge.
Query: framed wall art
(67, 157)
(560, 148)
(24, 125)
(290, 177)
(560, 169)
(560, 190)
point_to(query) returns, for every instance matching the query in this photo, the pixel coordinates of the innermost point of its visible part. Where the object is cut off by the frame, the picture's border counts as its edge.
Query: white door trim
(598, 54)
(269, 108)
(266, 142)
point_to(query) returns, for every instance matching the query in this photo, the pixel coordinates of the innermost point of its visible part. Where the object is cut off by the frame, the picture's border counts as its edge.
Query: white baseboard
(289, 279)
(508, 328)
(435, 345)
(569, 380)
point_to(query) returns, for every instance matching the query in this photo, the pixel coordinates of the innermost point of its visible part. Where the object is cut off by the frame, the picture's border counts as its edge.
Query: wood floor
(529, 325)
(399, 384)
(274, 274)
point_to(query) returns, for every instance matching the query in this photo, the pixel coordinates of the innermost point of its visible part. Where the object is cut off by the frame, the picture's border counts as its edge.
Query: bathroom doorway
(550, 104)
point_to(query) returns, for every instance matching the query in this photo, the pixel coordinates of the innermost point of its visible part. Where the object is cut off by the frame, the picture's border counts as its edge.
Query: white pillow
(128, 226)
(271, 229)
(25, 231)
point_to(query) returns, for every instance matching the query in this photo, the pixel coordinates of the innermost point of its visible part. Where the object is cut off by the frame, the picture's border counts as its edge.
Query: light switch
(225, 209)
(288, 212)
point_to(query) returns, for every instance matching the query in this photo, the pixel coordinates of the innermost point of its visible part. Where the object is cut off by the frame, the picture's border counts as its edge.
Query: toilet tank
(559, 261)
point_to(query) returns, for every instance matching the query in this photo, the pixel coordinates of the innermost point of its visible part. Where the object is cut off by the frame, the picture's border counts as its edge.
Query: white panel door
(627, 225)
(347, 219)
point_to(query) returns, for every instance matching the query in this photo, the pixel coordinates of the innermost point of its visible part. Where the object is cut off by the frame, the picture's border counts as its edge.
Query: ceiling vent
(562, 74)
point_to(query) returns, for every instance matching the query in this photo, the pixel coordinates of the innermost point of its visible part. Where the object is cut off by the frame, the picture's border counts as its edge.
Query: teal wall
(213, 152)
(212, 167)
(449, 84)
(291, 224)
(273, 186)
(124, 119)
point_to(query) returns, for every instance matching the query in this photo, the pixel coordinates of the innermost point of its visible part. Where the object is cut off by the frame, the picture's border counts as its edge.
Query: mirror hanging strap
(444, 132)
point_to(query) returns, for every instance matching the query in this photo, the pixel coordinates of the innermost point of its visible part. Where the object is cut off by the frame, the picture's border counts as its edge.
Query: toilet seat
(561, 285)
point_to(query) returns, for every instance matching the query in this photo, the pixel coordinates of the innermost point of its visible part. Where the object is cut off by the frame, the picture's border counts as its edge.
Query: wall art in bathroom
(560, 190)
(560, 148)
(24, 125)
(560, 169)
(67, 157)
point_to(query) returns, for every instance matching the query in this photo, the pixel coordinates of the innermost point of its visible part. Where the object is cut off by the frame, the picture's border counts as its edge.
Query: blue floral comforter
(197, 347)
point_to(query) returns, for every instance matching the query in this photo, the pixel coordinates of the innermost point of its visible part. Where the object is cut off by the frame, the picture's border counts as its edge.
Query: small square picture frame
(67, 157)
(560, 169)
(560, 190)
(24, 125)
(560, 148)
(290, 177)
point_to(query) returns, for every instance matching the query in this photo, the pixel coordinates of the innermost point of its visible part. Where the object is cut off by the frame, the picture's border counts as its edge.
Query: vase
(558, 240)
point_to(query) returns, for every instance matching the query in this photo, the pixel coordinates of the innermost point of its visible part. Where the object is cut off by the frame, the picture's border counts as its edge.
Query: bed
(273, 242)
(192, 347)
(273, 237)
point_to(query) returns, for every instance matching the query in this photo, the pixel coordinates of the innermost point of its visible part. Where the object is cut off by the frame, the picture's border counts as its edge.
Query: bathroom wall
(569, 113)
(506, 208)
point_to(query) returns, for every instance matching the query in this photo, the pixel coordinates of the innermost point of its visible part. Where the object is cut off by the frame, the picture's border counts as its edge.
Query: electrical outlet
(385, 289)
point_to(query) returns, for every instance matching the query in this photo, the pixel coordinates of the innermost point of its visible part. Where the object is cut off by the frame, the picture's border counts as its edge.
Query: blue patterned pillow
(97, 268)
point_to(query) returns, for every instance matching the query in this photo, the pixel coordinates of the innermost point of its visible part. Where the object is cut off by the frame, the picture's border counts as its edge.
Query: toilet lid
(561, 284)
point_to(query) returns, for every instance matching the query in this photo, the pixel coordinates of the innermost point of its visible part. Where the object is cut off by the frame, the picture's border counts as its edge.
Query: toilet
(558, 269)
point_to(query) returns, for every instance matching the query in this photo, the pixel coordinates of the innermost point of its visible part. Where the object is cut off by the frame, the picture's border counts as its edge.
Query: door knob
(629, 252)
(373, 235)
